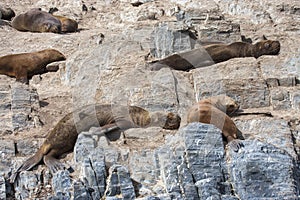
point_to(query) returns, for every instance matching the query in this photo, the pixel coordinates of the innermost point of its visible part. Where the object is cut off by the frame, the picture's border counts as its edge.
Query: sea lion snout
(268, 47)
(55, 29)
(172, 121)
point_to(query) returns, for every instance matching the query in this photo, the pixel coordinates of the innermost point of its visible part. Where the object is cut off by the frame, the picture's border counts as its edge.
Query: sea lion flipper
(27, 165)
(21, 75)
(235, 145)
(53, 164)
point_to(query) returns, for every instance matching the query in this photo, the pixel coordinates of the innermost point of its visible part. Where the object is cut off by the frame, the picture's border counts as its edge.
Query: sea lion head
(55, 54)
(169, 120)
(267, 47)
(223, 103)
(7, 13)
(50, 27)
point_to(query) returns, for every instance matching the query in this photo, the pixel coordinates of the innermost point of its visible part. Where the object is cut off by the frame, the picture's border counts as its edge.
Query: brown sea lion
(23, 66)
(214, 111)
(63, 137)
(67, 25)
(36, 20)
(6, 13)
(215, 53)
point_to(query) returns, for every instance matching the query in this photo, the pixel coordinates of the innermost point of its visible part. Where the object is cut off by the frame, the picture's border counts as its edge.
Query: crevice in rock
(294, 140)
(176, 87)
(16, 148)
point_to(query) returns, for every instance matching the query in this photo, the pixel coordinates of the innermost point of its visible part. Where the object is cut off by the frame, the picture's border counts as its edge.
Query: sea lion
(36, 20)
(215, 53)
(63, 137)
(67, 25)
(6, 13)
(215, 110)
(223, 52)
(24, 65)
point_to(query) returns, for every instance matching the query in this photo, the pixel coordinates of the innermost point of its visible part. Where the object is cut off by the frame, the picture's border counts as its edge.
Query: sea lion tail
(27, 165)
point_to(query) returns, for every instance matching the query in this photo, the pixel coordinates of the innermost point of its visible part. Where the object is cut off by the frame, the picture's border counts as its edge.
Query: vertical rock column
(24, 101)
(192, 164)
(263, 171)
(5, 108)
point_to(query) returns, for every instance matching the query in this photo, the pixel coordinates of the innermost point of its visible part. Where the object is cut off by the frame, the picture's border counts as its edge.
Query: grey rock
(119, 183)
(169, 38)
(278, 129)
(24, 103)
(253, 10)
(260, 170)
(27, 146)
(62, 185)
(228, 78)
(280, 99)
(2, 188)
(285, 98)
(54, 66)
(28, 185)
(295, 129)
(224, 31)
(81, 192)
(145, 171)
(277, 75)
(191, 163)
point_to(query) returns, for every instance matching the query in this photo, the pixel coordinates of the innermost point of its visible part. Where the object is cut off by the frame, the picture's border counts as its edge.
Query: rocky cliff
(106, 63)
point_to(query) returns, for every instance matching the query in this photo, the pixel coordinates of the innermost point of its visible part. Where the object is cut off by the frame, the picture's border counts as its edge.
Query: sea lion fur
(215, 53)
(67, 25)
(63, 137)
(214, 111)
(36, 20)
(24, 65)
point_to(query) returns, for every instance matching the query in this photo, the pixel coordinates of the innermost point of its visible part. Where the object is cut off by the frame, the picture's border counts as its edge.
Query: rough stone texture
(261, 170)
(19, 107)
(2, 188)
(106, 63)
(168, 39)
(242, 81)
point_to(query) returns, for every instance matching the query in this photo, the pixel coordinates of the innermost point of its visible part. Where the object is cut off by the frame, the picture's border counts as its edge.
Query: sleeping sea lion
(215, 110)
(67, 25)
(215, 53)
(36, 20)
(63, 137)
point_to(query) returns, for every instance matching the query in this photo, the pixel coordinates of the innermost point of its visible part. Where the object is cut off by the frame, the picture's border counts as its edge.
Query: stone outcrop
(107, 63)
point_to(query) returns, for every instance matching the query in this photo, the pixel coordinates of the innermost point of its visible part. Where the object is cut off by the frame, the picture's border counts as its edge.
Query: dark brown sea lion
(67, 25)
(23, 66)
(6, 13)
(214, 111)
(36, 20)
(216, 53)
(63, 137)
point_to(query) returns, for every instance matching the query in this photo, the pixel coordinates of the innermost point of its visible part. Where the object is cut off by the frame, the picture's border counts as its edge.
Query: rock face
(107, 63)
